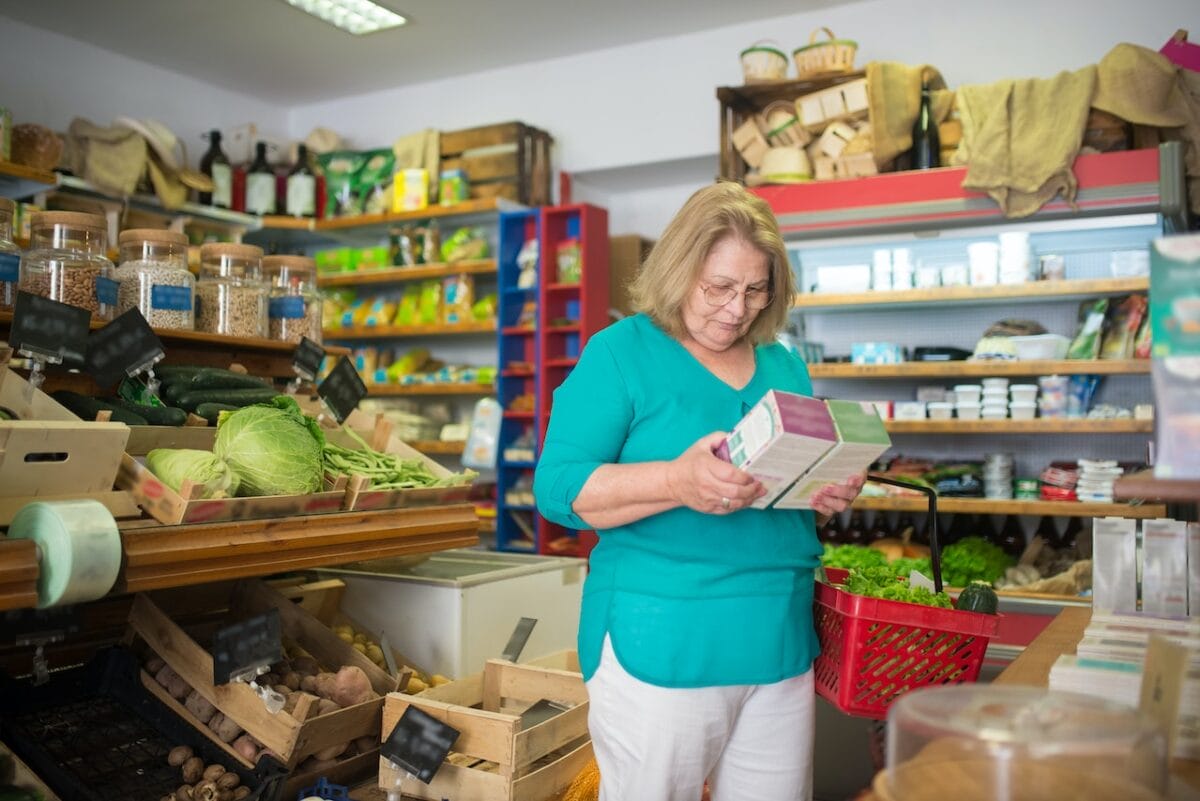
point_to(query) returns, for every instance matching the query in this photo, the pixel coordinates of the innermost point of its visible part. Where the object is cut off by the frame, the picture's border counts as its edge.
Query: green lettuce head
(274, 449)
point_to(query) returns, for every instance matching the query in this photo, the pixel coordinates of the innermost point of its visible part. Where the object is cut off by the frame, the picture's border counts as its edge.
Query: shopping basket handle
(935, 556)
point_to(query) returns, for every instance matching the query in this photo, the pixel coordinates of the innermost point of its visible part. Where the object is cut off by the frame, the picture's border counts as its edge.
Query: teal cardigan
(688, 599)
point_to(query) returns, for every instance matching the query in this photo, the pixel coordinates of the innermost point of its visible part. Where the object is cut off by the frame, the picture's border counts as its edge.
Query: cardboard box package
(1164, 568)
(862, 439)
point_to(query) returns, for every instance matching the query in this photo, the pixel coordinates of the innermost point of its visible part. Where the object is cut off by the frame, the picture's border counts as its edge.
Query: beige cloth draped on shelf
(894, 100)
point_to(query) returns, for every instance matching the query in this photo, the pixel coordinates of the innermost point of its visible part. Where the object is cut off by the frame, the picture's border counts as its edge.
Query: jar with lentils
(66, 262)
(294, 310)
(10, 257)
(231, 297)
(154, 278)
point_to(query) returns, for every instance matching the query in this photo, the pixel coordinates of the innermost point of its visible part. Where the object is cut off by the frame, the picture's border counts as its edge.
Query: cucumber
(211, 411)
(155, 415)
(177, 372)
(216, 378)
(233, 397)
(87, 408)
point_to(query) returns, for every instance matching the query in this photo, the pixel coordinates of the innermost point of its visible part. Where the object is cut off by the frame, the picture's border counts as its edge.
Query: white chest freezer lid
(463, 567)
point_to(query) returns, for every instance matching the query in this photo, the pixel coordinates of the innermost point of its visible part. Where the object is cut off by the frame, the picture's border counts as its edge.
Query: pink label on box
(805, 416)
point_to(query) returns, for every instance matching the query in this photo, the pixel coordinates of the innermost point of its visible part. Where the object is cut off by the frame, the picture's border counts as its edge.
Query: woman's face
(734, 269)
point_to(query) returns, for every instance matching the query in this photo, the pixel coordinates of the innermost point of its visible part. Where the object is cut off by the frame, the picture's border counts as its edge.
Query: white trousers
(752, 742)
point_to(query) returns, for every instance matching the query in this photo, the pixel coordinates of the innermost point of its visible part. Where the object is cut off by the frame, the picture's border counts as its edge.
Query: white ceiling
(267, 49)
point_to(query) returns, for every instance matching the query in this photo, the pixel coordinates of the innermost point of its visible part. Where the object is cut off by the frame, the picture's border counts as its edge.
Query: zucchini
(87, 407)
(233, 397)
(216, 378)
(211, 411)
(176, 372)
(156, 415)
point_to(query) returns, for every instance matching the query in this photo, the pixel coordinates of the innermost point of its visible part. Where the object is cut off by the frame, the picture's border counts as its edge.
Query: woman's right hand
(699, 480)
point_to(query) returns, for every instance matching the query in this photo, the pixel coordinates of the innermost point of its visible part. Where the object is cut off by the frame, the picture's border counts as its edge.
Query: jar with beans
(10, 257)
(154, 277)
(295, 306)
(231, 297)
(67, 262)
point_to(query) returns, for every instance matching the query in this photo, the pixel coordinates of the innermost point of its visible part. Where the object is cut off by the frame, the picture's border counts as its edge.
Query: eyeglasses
(756, 299)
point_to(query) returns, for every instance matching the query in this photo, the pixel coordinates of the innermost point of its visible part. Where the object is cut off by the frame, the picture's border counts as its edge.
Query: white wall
(50, 79)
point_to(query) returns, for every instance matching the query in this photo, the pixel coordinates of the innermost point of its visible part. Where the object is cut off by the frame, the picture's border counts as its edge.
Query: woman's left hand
(834, 498)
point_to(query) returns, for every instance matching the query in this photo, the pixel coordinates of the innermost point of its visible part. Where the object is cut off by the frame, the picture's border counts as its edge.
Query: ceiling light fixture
(354, 16)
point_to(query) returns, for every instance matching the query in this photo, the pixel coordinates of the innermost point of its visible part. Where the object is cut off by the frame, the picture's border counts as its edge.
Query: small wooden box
(750, 142)
(509, 160)
(359, 497)
(494, 757)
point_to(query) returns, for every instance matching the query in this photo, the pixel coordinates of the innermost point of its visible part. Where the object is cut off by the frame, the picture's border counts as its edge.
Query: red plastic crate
(873, 650)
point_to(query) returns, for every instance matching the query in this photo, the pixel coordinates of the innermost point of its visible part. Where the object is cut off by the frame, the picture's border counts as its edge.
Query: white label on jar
(301, 195)
(10, 264)
(222, 178)
(171, 298)
(260, 193)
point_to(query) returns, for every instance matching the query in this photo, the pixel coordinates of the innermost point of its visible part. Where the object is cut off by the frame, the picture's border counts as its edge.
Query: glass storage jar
(154, 278)
(231, 297)
(10, 256)
(294, 309)
(66, 262)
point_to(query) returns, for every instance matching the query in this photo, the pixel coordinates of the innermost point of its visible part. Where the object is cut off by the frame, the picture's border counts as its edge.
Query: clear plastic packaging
(294, 308)
(154, 278)
(10, 257)
(67, 262)
(231, 297)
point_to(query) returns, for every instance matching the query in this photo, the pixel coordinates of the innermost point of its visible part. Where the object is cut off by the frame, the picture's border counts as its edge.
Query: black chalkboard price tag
(520, 636)
(125, 346)
(51, 330)
(419, 743)
(342, 389)
(306, 361)
(246, 646)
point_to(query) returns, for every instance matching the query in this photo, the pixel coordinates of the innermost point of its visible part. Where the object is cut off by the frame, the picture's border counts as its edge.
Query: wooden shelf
(966, 369)
(481, 206)
(1036, 426)
(395, 275)
(405, 390)
(519, 415)
(18, 574)
(392, 331)
(283, 222)
(434, 446)
(573, 328)
(517, 373)
(561, 287)
(518, 330)
(20, 172)
(1145, 485)
(1032, 291)
(567, 361)
(985, 506)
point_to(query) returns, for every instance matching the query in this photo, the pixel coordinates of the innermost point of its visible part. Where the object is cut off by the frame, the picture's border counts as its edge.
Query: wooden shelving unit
(984, 506)
(409, 390)
(438, 447)
(1145, 485)
(394, 331)
(1036, 426)
(982, 369)
(481, 206)
(20, 172)
(395, 275)
(1030, 292)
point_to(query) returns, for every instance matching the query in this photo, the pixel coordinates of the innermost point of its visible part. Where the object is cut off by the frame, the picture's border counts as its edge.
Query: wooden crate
(509, 160)
(494, 758)
(293, 736)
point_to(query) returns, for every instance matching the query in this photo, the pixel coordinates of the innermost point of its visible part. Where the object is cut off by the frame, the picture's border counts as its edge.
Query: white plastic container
(984, 260)
(967, 393)
(967, 411)
(995, 383)
(994, 413)
(1041, 346)
(1023, 393)
(940, 410)
(1022, 411)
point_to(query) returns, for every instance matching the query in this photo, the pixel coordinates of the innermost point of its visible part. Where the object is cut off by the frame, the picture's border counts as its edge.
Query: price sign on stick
(306, 361)
(126, 346)
(50, 331)
(342, 390)
(419, 743)
(520, 636)
(246, 646)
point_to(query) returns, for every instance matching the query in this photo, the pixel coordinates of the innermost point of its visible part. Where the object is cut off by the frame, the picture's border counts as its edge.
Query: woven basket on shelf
(824, 58)
(762, 63)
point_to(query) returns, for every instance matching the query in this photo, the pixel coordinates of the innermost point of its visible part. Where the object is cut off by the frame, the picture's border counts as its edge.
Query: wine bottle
(1048, 532)
(831, 532)
(301, 187)
(879, 528)
(215, 165)
(260, 183)
(1071, 534)
(1012, 537)
(960, 528)
(926, 149)
(855, 532)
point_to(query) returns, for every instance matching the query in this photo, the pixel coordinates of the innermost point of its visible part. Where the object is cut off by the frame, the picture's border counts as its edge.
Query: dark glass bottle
(926, 149)
(260, 183)
(960, 528)
(1012, 537)
(831, 532)
(1072, 532)
(1048, 532)
(879, 528)
(301, 187)
(855, 532)
(215, 165)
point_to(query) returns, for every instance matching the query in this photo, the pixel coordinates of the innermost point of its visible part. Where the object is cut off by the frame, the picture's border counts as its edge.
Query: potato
(165, 674)
(360, 647)
(213, 772)
(332, 752)
(292, 680)
(240, 792)
(283, 690)
(226, 730)
(199, 706)
(437, 680)
(154, 664)
(415, 685)
(375, 654)
(178, 755)
(325, 706)
(351, 687)
(365, 744)
(309, 684)
(246, 748)
(193, 769)
(346, 636)
(362, 638)
(205, 791)
(325, 684)
(184, 793)
(228, 781)
(305, 666)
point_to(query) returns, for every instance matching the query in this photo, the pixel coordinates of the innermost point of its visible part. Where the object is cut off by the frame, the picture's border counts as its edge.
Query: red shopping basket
(874, 650)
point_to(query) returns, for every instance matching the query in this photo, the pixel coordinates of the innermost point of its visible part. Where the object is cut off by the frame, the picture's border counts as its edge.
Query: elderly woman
(696, 638)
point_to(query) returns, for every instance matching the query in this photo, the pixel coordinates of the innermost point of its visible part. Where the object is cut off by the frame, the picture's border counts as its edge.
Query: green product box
(373, 258)
(1175, 296)
(862, 439)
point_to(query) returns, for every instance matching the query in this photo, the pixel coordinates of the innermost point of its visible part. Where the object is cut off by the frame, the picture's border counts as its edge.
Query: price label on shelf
(307, 359)
(419, 743)
(246, 646)
(124, 347)
(49, 330)
(342, 390)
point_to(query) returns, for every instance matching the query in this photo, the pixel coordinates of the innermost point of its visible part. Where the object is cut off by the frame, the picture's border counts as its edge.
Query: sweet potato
(325, 684)
(292, 680)
(154, 664)
(199, 706)
(305, 666)
(352, 687)
(309, 684)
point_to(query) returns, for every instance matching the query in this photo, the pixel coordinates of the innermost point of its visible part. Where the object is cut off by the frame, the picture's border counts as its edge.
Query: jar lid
(74, 219)
(271, 263)
(157, 235)
(231, 249)
(7, 205)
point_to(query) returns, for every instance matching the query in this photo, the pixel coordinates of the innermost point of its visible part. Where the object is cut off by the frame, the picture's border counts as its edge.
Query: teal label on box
(10, 267)
(1175, 296)
(171, 298)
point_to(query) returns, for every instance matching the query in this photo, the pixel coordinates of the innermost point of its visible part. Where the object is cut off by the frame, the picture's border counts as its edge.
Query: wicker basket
(782, 127)
(762, 63)
(833, 57)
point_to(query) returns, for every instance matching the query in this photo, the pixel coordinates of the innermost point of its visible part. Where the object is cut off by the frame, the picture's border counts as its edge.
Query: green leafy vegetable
(274, 449)
(851, 557)
(174, 466)
(881, 582)
(973, 559)
(385, 470)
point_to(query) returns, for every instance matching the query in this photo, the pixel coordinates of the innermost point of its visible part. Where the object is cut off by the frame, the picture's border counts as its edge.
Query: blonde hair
(709, 216)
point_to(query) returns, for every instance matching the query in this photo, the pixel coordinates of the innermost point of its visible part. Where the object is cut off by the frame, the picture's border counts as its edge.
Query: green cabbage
(275, 449)
(173, 466)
